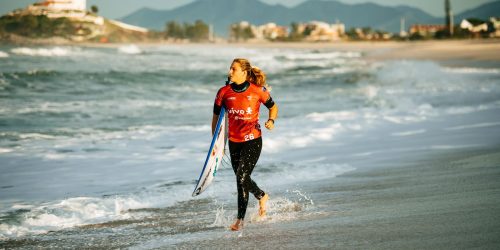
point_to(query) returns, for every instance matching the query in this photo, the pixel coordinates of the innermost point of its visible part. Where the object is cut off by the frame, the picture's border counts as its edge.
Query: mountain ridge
(372, 15)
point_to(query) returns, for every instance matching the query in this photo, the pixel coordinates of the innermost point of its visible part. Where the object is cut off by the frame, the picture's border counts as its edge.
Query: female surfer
(241, 99)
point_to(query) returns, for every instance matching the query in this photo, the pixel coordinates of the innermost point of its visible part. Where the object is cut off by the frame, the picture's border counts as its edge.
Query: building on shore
(271, 31)
(75, 10)
(55, 9)
(474, 27)
(426, 30)
(316, 31)
(495, 23)
(313, 31)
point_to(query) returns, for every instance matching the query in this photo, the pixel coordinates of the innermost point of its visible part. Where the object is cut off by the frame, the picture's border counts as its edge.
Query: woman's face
(236, 74)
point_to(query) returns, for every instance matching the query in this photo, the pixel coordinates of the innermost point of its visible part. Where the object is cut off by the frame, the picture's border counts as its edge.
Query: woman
(242, 99)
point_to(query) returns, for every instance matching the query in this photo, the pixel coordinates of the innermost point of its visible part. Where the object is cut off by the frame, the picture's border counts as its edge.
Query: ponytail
(258, 77)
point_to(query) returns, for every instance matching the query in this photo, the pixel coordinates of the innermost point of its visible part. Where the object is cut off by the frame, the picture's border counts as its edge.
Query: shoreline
(435, 50)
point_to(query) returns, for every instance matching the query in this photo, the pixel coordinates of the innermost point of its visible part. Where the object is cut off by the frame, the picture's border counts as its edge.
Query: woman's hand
(269, 124)
(273, 113)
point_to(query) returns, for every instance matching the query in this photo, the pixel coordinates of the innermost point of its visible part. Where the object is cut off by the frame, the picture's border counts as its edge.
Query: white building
(321, 31)
(465, 24)
(271, 31)
(56, 8)
(495, 21)
(66, 4)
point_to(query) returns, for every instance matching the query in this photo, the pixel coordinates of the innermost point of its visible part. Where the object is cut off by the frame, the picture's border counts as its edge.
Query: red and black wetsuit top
(242, 103)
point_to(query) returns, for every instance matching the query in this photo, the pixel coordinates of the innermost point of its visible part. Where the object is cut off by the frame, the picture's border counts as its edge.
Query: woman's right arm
(217, 110)
(215, 118)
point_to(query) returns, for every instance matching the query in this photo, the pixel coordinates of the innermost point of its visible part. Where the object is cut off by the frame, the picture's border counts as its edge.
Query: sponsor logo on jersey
(242, 118)
(236, 111)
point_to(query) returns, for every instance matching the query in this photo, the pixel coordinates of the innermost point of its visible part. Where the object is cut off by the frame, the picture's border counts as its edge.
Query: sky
(115, 9)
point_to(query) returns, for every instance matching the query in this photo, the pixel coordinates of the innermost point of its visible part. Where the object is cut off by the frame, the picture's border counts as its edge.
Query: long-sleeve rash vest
(242, 102)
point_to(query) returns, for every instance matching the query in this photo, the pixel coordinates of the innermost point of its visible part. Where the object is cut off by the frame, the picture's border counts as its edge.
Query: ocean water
(107, 143)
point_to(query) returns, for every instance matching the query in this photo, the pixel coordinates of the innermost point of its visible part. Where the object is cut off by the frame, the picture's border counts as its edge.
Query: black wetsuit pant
(244, 156)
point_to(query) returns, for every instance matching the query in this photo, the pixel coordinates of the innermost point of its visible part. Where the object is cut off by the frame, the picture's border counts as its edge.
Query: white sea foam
(92, 106)
(370, 91)
(311, 172)
(409, 133)
(364, 154)
(79, 211)
(322, 56)
(302, 138)
(3, 54)
(469, 70)
(5, 150)
(279, 208)
(21, 206)
(407, 119)
(470, 109)
(46, 52)
(334, 115)
(477, 125)
(449, 147)
(130, 49)
(36, 136)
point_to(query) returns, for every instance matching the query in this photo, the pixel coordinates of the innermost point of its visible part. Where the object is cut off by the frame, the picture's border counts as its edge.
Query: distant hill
(222, 13)
(214, 12)
(483, 12)
(29, 28)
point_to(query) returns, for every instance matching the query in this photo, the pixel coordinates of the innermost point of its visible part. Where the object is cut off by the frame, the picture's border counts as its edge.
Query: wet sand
(451, 201)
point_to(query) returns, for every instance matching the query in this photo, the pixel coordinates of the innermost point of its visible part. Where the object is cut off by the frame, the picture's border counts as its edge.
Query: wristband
(271, 120)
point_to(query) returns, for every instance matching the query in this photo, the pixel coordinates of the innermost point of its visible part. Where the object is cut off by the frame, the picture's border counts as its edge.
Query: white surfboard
(214, 156)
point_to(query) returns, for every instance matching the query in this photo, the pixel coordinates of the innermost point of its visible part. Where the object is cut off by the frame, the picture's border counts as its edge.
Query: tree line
(199, 31)
(36, 26)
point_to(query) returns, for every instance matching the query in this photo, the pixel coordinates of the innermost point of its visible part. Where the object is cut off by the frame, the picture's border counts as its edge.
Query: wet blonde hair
(254, 74)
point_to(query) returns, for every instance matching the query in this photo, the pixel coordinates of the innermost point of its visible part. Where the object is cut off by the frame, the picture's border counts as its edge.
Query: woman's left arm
(273, 113)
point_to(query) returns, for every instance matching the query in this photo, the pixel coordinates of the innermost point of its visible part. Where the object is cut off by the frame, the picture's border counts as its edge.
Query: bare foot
(237, 226)
(262, 205)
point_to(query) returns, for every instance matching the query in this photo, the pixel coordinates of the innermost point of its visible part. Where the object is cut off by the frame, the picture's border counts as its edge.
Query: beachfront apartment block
(314, 31)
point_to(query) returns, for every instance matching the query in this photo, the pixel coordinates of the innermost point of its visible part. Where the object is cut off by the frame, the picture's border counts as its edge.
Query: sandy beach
(436, 50)
(449, 201)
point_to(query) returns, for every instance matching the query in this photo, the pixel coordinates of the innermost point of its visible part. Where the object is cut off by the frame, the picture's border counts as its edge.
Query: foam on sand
(46, 52)
(130, 49)
(79, 211)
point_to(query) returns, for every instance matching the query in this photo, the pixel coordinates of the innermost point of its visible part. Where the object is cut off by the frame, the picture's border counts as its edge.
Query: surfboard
(214, 155)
